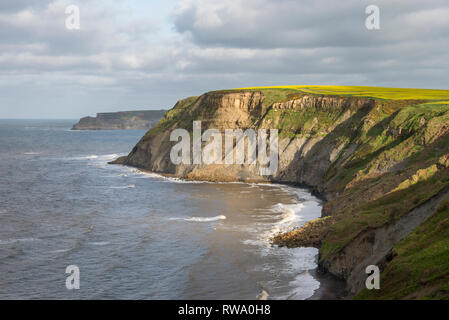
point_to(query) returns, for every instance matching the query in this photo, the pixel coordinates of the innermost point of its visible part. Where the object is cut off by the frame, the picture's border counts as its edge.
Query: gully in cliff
(213, 151)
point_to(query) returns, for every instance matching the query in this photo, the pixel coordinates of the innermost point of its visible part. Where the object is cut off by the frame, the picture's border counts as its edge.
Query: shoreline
(331, 287)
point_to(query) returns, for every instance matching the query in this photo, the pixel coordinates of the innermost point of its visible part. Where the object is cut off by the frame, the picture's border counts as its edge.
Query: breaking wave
(11, 241)
(130, 186)
(202, 219)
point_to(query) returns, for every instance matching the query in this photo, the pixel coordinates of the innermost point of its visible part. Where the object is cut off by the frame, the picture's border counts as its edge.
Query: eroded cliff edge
(381, 164)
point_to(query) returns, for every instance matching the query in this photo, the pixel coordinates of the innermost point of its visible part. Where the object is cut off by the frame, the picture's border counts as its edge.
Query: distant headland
(123, 120)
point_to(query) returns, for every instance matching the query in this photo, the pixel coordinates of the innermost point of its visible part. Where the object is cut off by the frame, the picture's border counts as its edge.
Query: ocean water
(135, 235)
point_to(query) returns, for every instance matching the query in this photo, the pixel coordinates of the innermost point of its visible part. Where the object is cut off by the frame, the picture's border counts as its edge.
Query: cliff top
(137, 120)
(362, 91)
(127, 114)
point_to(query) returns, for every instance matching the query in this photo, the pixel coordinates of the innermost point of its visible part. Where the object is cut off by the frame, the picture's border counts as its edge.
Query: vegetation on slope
(400, 162)
(419, 269)
(173, 116)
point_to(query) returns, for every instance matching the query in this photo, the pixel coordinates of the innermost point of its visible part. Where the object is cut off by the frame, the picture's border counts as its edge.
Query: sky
(147, 54)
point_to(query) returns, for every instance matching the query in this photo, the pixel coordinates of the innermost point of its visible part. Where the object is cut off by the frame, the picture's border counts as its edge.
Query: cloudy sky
(146, 54)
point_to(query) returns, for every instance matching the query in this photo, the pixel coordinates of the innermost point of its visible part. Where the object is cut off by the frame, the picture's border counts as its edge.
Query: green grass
(420, 267)
(374, 214)
(409, 136)
(306, 123)
(172, 116)
(363, 91)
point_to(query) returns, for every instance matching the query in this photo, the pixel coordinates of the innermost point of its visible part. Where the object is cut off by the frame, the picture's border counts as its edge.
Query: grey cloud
(116, 63)
(15, 5)
(47, 25)
(307, 23)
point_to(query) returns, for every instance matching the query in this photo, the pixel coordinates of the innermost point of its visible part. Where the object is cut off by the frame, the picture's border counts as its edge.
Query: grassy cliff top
(129, 114)
(361, 91)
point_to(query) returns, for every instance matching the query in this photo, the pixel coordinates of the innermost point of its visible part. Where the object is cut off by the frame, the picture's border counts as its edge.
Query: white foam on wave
(60, 251)
(202, 219)
(90, 157)
(296, 262)
(290, 217)
(305, 286)
(31, 153)
(286, 217)
(161, 177)
(103, 157)
(11, 241)
(130, 186)
(283, 217)
(303, 258)
(109, 156)
(101, 243)
(154, 175)
(299, 260)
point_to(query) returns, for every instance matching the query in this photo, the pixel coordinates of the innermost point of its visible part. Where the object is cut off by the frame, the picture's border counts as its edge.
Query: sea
(138, 235)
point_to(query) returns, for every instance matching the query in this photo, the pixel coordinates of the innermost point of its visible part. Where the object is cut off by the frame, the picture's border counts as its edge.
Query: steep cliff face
(382, 164)
(303, 122)
(125, 120)
(215, 110)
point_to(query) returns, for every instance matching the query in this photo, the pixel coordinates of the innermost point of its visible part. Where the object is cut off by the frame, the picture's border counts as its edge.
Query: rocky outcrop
(124, 120)
(380, 165)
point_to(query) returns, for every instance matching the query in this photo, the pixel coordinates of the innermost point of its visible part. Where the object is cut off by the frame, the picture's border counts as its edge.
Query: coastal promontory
(123, 120)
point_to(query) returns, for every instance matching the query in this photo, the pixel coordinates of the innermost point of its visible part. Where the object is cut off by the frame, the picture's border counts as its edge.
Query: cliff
(124, 120)
(379, 156)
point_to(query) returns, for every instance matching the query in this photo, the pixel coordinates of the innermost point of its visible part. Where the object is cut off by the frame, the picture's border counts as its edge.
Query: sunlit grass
(362, 91)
